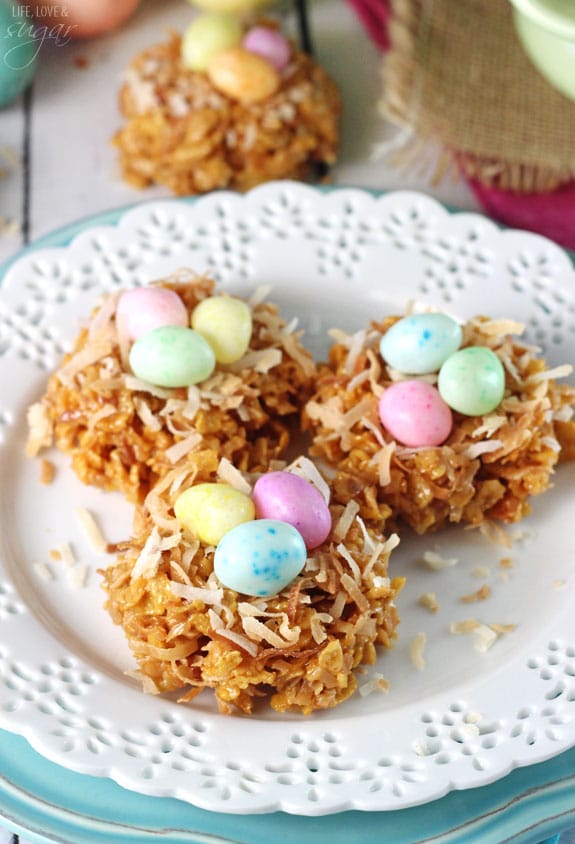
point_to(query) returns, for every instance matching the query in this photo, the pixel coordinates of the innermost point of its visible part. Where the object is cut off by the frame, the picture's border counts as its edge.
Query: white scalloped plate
(335, 258)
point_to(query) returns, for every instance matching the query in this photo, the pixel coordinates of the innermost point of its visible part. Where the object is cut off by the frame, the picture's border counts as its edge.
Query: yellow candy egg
(209, 511)
(206, 36)
(226, 324)
(243, 76)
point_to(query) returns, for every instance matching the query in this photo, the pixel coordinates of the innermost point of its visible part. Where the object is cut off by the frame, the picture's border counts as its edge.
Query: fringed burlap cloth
(457, 73)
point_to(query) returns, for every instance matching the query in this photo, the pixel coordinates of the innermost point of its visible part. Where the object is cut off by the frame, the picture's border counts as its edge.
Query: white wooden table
(60, 131)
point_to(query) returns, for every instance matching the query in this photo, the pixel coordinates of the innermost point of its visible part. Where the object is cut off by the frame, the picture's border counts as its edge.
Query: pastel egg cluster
(471, 381)
(261, 541)
(166, 351)
(243, 66)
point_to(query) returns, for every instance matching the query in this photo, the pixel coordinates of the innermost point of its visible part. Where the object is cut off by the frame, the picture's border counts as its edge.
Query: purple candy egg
(288, 498)
(269, 44)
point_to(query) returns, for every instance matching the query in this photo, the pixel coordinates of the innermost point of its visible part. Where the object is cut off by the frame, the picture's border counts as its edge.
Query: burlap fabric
(457, 73)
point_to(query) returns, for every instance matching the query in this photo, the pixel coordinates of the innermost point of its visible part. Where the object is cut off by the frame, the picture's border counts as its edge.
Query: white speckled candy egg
(420, 343)
(226, 323)
(289, 498)
(472, 381)
(260, 558)
(209, 510)
(172, 356)
(144, 308)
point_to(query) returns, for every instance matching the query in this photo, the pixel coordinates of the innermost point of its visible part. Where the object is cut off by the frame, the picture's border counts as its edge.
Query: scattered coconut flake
(149, 557)
(355, 592)
(490, 425)
(99, 348)
(43, 571)
(292, 348)
(396, 375)
(197, 593)
(343, 552)
(241, 641)
(559, 584)
(429, 601)
(66, 554)
(91, 527)
(316, 626)
(459, 628)
(306, 469)
(257, 630)
(472, 717)
(470, 729)
(416, 649)
(550, 374)
(175, 452)
(482, 594)
(377, 683)
(436, 562)
(345, 521)
(503, 629)
(420, 747)
(383, 461)
(137, 385)
(260, 360)
(101, 321)
(482, 447)
(260, 294)
(377, 433)
(503, 576)
(355, 349)
(148, 685)
(551, 443)
(380, 582)
(228, 473)
(40, 429)
(481, 572)
(564, 414)
(149, 419)
(47, 472)
(499, 327)
(78, 576)
(105, 411)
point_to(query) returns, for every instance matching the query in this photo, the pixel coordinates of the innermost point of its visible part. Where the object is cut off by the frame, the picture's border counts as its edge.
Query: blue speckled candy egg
(472, 381)
(420, 343)
(19, 49)
(172, 356)
(260, 558)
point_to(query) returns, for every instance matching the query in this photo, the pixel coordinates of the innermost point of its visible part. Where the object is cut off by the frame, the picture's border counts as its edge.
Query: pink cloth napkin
(551, 214)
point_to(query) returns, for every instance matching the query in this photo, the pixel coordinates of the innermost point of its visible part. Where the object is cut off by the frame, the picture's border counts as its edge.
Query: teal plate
(48, 803)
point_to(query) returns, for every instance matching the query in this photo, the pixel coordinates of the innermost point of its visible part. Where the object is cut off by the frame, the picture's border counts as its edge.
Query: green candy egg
(172, 356)
(472, 381)
(18, 51)
(206, 36)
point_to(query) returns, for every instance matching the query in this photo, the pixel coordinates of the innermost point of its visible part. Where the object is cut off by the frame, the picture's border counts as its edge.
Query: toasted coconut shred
(485, 471)
(125, 434)
(298, 649)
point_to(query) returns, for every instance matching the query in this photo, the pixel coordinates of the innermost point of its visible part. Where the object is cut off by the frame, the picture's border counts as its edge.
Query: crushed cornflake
(507, 563)
(416, 649)
(228, 473)
(92, 529)
(482, 594)
(429, 601)
(436, 562)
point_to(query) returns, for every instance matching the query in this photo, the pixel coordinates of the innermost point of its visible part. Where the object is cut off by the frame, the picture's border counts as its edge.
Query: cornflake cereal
(298, 648)
(488, 466)
(125, 434)
(184, 133)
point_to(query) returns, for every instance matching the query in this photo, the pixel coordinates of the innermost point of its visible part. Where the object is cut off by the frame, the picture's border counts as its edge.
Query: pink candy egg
(143, 309)
(289, 498)
(415, 414)
(269, 44)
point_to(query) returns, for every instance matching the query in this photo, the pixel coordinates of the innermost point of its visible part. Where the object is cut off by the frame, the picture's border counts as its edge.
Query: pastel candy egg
(420, 343)
(472, 381)
(226, 324)
(209, 511)
(233, 6)
(415, 414)
(243, 76)
(260, 558)
(289, 498)
(144, 308)
(206, 36)
(172, 356)
(268, 43)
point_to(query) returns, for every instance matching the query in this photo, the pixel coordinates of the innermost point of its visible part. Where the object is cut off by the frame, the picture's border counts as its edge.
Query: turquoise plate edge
(48, 803)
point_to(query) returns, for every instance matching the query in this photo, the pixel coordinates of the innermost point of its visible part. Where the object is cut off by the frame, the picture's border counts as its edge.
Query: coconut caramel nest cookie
(143, 390)
(226, 106)
(428, 422)
(265, 592)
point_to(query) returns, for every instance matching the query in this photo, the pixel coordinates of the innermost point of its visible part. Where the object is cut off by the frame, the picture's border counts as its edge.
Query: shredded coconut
(228, 473)
(89, 524)
(416, 649)
(175, 452)
(434, 561)
(197, 593)
(483, 447)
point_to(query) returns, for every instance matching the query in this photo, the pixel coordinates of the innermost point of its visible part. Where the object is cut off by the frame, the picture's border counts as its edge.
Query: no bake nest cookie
(488, 467)
(297, 650)
(125, 434)
(184, 133)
